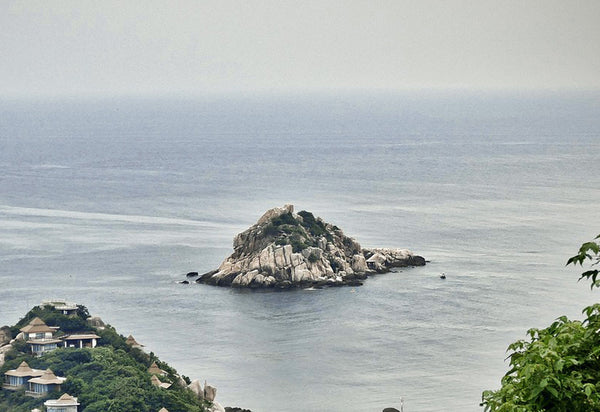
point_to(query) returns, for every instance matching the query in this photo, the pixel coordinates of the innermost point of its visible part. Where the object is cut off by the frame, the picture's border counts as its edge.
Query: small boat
(443, 276)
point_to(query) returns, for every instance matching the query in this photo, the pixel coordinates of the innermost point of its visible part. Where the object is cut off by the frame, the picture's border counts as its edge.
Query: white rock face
(216, 407)
(210, 392)
(275, 212)
(284, 248)
(196, 387)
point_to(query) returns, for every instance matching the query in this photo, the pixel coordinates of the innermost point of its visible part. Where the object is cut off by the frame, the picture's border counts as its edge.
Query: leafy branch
(591, 251)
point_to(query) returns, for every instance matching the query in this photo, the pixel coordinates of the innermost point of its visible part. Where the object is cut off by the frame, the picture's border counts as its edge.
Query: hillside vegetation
(111, 377)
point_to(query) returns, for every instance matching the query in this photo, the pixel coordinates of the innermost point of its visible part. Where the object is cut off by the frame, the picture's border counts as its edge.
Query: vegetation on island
(556, 368)
(300, 233)
(111, 377)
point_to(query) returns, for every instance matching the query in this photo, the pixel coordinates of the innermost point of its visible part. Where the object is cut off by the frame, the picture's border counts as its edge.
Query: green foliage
(589, 250)
(301, 233)
(51, 317)
(282, 241)
(271, 230)
(557, 368)
(313, 257)
(17, 401)
(284, 219)
(297, 242)
(105, 378)
(18, 347)
(315, 227)
(110, 337)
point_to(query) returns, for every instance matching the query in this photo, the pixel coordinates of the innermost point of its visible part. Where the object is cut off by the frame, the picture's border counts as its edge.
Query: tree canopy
(556, 368)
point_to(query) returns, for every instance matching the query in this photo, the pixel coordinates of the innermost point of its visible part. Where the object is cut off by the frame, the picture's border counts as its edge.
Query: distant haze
(196, 47)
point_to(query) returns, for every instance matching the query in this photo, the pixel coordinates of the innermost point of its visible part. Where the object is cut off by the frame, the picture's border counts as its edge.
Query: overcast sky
(163, 47)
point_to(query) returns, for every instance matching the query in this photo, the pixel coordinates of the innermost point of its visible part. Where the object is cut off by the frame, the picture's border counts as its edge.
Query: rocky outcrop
(286, 249)
(3, 350)
(5, 335)
(96, 322)
(210, 392)
(382, 260)
(216, 407)
(196, 387)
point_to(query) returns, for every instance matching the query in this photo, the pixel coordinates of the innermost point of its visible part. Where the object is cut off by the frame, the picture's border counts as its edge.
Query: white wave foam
(108, 217)
(50, 166)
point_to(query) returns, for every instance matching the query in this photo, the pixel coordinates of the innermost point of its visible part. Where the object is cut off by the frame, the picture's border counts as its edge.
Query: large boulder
(210, 392)
(196, 387)
(96, 322)
(287, 249)
(5, 335)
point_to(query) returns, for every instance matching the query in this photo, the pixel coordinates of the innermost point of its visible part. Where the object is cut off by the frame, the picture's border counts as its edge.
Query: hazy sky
(140, 47)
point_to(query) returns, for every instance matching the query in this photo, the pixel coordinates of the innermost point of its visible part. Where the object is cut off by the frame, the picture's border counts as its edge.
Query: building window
(40, 388)
(15, 381)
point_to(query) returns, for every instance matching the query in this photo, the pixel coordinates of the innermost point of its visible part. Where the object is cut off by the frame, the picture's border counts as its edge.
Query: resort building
(39, 337)
(16, 379)
(155, 370)
(80, 340)
(156, 382)
(133, 343)
(61, 305)
(66, 403)
(48, 382)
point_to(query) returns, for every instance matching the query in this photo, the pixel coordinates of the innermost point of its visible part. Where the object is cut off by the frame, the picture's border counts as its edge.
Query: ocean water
(109, 202)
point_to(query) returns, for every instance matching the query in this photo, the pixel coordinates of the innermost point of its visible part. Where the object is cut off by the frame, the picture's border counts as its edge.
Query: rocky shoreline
(286, 250)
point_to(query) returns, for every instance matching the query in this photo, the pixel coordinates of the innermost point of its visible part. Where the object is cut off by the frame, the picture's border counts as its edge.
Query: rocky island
(285, 249)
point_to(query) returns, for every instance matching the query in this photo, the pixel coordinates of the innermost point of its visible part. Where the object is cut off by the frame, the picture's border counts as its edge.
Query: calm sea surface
(109, 202)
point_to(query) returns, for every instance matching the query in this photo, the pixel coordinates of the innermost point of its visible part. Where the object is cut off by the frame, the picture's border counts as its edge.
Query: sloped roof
(154, 369)
(163, 410)
(36, 326)
(66, 397)
(64, 400)
(48, 378)
(156, 382)
(24, 370)
(77, 336)
(132, 342)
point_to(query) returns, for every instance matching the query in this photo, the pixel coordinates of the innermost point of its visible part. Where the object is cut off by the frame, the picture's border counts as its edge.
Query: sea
(110, 201)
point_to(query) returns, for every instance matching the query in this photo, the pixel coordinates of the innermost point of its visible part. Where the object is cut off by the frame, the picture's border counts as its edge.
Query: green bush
(315, 227)
(556, 368)
(284, 219)
(271, 230)
(297, 243)
(282, 241)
